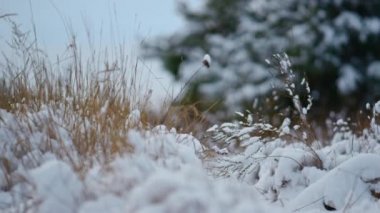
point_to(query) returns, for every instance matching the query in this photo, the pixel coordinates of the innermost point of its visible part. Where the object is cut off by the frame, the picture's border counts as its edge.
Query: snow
(57, 187)
(133, 118)
(376, 109)
(232, 167)
(168, 171)
(348, 80)
(347, 185)
(367, 106)
(349, 19)
(106, 203)
(320, 38)
(374, 69)
(373, 25)
(207, 60)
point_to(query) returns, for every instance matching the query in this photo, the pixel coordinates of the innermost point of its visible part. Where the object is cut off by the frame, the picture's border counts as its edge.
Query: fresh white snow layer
(169, 172)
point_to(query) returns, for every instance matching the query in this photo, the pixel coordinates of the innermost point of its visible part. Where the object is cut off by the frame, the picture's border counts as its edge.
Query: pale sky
(109, 21)
(132, 20)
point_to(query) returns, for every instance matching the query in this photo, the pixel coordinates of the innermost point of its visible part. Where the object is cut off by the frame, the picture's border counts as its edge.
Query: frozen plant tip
(207, 60)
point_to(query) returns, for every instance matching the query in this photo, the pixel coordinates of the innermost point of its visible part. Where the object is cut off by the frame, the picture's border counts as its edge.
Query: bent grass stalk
(180, 93)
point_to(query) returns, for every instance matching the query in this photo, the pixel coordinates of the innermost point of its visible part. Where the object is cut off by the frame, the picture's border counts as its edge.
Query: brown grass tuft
(93, 99)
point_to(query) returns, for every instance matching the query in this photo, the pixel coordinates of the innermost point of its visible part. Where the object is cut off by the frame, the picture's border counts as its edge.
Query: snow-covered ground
(230, 169)
(172, 172)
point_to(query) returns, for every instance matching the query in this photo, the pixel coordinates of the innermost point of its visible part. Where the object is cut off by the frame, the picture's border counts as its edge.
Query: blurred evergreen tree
(335, 42)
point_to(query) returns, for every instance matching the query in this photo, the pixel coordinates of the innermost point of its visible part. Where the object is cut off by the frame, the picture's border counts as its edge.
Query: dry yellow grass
(94, 98)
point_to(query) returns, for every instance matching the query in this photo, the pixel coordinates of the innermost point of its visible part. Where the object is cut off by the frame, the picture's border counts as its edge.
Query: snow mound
(164, 174)
(56, 187)
(354, 183)
(166, 171)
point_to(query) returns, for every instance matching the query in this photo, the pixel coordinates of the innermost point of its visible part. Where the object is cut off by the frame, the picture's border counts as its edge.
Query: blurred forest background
(334, 44)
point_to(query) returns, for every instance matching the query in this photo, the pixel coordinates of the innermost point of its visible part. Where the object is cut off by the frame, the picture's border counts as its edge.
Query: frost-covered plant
(375, 122)
(229, 136)
(286, 75)
(281, 170)
(205, 63)
(341, 130)
(242, 146)
(234, 137)
(373, 131)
